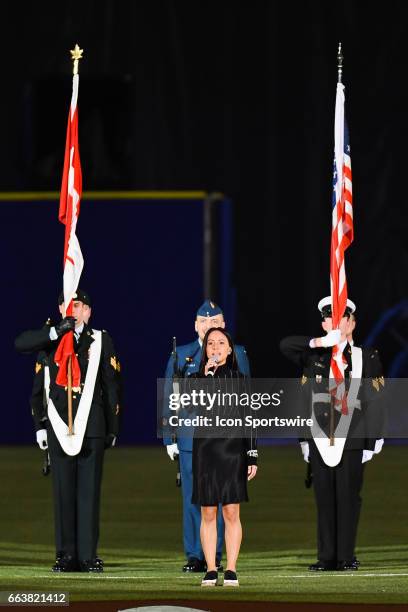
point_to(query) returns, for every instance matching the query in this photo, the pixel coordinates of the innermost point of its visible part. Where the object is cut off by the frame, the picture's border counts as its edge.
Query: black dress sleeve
(250, 439)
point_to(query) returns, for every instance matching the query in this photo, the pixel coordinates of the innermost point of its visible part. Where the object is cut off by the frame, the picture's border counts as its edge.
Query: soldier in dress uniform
(338, 467)
(76, 460)
(188, 361)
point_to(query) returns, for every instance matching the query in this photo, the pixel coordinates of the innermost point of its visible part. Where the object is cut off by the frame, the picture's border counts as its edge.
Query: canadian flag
(70, 199)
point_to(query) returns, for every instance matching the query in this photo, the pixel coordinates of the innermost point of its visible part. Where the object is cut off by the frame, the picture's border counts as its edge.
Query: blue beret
(209, 309)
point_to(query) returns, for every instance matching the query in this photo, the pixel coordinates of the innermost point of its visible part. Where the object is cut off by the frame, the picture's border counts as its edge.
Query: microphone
(211, 370)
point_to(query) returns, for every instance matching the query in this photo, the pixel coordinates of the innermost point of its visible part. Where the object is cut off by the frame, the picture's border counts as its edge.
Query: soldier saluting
(340, 444)
(76, 459)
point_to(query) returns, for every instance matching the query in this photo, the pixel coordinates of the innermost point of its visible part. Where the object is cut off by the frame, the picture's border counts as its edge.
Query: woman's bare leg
(233, 534)
(208, 535)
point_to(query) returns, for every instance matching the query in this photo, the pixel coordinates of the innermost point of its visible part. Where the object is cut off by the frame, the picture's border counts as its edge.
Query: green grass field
(141, 532)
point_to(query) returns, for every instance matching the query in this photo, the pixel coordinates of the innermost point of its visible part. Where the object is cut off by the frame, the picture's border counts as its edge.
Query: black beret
(79, 296)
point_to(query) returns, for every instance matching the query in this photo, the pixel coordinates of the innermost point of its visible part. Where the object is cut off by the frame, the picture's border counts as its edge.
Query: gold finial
(76, 55)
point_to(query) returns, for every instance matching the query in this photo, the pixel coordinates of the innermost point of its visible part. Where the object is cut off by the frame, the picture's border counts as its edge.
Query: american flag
(341, 238)
(70, 198)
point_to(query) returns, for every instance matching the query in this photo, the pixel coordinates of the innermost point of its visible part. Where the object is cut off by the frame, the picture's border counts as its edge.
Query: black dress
(220, 465)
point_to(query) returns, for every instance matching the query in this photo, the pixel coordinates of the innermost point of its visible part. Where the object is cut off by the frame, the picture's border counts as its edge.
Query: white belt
(322, 398)
(325, 398)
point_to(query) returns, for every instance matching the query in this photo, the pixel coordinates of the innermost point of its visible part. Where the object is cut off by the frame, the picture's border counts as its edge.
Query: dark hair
(231, 359)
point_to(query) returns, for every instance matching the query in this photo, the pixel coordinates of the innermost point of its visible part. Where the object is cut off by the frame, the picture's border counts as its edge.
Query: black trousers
(76, 489)
(337, 493)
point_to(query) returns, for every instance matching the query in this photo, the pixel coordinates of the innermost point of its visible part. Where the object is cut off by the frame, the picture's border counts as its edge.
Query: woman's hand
(211, 363)
(252, 469)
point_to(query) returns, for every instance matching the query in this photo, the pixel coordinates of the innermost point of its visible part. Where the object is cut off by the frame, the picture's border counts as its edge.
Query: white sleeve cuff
(53, 334)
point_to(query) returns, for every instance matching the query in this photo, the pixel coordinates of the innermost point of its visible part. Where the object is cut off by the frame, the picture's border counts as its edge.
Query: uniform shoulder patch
(38, 367)
(115, 363)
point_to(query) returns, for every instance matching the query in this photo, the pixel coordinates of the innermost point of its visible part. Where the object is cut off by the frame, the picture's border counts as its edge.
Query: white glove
(172, 451)
(42, 440)
(378, 446)
(332, 338)
(367, 455)
(304, 447)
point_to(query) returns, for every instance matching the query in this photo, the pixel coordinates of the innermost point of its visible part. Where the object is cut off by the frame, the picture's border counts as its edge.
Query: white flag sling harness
(332, 454)
(72, 444)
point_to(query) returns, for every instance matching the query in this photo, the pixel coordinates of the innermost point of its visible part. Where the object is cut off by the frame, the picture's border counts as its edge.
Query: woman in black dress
(221, 465)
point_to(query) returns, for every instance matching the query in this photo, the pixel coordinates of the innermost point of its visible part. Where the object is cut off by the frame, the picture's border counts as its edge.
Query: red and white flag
(341, 238)
(70, 199)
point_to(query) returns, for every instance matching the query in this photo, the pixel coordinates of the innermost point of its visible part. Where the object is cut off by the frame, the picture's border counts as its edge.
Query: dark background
(237, 98)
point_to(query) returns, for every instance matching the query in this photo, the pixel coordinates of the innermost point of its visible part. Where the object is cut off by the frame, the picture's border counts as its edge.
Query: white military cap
(325, 306)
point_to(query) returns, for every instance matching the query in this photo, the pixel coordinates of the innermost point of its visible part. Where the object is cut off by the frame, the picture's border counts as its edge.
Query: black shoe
(347, 566)
(210, 579)
(356, 562)
(322, 566)
(195, 565)
(65, 563)
(230, 579)
(91, 565)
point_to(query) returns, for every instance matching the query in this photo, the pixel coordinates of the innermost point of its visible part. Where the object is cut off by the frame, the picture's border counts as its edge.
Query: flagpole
(339, 64)
(69, 392)
(76, 55)
(340, 58)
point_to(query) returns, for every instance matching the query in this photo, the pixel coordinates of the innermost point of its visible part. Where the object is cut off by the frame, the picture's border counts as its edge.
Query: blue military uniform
(188, 362)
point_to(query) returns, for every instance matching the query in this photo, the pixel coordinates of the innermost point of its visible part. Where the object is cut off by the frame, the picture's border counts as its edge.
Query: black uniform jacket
(367, 422)
(105, 409)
